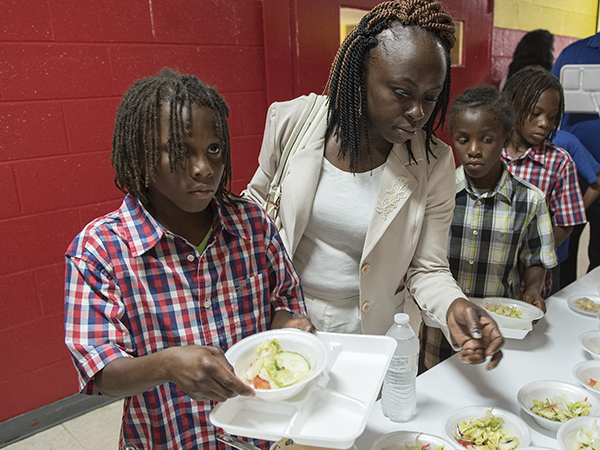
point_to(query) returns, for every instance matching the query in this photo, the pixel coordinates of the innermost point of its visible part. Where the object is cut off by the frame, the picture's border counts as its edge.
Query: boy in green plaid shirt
(500, 241)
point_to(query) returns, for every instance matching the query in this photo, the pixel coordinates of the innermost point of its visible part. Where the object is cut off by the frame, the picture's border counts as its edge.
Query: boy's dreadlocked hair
(523, 91)
(136, 140)
(484, 97)
(346, 87)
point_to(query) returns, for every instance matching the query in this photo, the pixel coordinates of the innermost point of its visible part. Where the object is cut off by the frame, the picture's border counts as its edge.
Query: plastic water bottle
(399, 397)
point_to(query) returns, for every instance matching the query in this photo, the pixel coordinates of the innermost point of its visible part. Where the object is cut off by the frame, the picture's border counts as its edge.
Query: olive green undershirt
(202, 245)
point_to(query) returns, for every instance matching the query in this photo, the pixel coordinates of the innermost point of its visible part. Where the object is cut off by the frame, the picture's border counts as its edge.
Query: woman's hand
(476, 332)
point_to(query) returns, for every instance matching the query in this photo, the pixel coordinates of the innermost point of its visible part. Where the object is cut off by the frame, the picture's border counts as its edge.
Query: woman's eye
(402, 93)
(462, 141)
(488, 140)
(431, 99)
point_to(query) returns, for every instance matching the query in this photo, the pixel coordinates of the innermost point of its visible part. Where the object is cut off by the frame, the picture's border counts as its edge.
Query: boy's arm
(284, 284)
(533, 280)
(537, 252)
(102, 347)
(202, 372)
(566, 202)
(560, 234)
(592, 192)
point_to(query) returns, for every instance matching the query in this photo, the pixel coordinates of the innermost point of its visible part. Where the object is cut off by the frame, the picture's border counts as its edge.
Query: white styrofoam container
(546, 389)
(332, 412)
(512, 422)
(242, 354)
(400, 440)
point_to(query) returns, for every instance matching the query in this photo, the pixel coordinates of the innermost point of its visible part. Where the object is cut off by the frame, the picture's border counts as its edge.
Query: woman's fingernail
(476, 333)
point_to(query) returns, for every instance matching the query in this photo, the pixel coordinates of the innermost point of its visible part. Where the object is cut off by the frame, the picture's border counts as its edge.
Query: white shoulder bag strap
(310, 116)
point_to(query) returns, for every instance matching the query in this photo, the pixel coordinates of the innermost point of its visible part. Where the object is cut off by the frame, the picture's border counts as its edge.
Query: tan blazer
(408, 232)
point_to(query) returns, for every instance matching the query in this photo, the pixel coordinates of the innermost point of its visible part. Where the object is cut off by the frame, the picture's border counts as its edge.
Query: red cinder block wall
(64, 66)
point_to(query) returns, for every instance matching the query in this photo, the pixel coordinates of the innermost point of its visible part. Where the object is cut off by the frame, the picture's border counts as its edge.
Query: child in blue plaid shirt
(500, 241)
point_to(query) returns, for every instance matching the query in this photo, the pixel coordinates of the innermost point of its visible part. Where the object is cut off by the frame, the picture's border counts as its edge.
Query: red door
(302, 37)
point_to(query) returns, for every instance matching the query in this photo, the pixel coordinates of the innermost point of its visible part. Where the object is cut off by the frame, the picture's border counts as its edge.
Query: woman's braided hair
(346, 87)
(523, 91)
(136, 139)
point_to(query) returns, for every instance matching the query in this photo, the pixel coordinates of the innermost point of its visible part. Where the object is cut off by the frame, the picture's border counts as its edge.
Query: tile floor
(99, 429)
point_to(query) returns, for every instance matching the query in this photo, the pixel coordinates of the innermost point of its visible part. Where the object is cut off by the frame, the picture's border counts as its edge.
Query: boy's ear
(508, 137)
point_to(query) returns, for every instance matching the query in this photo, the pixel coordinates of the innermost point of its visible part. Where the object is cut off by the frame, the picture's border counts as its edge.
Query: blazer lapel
(397, 186)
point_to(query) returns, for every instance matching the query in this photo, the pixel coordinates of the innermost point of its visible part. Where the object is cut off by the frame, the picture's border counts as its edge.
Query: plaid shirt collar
(142, 231)
(503, 188)
(537, 153)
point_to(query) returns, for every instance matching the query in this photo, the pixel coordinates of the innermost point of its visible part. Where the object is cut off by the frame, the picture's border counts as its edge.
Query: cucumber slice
(292, 367)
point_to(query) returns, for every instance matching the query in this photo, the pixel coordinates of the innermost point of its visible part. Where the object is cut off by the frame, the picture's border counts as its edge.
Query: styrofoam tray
(333, 412)
(571, 302)
(510, 333)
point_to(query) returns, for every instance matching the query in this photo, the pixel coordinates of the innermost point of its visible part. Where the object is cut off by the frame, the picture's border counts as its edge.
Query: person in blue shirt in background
(588, 173)
(586, 127)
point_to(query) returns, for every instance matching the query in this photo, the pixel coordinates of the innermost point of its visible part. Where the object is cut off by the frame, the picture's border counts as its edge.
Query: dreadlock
(484, 97)
(523, 91)
(136, 140)
(346, 86)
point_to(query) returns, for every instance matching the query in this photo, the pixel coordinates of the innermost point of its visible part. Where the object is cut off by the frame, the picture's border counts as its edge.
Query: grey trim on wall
(48, 416)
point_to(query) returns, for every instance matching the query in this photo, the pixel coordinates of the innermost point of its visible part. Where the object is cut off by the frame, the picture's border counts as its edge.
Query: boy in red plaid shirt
(157, 290)
(537, 100)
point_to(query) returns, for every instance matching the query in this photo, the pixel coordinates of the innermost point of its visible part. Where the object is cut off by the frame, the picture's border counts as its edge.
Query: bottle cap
(401, 318)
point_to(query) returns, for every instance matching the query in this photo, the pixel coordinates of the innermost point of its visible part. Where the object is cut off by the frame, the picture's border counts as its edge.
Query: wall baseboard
(32, 422)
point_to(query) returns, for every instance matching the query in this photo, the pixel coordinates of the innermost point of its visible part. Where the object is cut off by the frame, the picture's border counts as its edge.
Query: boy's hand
(533, 296)
(476, 332)
(284, 319)
(204, 373)
(302, 323)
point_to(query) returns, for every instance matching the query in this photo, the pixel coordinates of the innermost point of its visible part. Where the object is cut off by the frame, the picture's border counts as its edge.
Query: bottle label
(404, 364)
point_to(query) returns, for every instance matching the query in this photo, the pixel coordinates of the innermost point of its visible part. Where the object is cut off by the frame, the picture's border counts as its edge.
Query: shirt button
(467, 291)
(478, 203)
(475, 232)
(190, 257)
(471, 261)
(365, 270)
(207, 303)
(366, 307)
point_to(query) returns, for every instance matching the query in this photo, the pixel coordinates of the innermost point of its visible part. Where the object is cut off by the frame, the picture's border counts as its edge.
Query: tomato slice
(464, 443)
(259, 383)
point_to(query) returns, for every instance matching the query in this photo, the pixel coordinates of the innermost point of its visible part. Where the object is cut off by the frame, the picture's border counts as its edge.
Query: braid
(523, 91)
(346, 88)
(136, 139)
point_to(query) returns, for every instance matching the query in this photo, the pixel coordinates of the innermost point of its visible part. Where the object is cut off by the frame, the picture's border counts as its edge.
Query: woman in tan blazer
(388, 85)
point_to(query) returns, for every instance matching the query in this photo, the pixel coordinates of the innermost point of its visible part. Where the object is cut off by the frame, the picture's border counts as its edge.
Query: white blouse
(328, 255)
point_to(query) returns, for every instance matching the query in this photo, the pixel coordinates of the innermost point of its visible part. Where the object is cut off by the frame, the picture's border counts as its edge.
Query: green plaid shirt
(495, 236)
